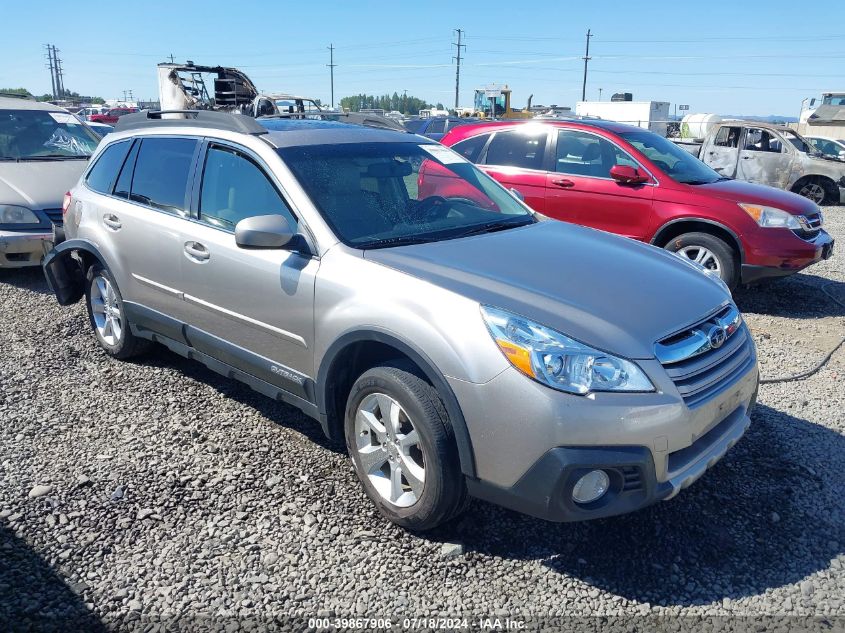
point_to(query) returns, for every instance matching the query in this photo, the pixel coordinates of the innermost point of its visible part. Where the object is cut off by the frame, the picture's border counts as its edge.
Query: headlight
(771, 218)
(558, 361)
(10, 214)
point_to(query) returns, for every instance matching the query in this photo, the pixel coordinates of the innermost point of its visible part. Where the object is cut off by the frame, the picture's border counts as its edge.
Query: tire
(714, 252)
(105, 304)
(818, 189)
(408, 500)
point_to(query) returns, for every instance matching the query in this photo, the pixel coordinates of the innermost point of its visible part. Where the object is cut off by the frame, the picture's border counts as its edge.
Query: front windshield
(41, 134)
(375, 195)
(679, 165)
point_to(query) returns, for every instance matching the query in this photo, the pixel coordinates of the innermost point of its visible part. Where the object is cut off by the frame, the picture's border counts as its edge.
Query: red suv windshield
(679, 165)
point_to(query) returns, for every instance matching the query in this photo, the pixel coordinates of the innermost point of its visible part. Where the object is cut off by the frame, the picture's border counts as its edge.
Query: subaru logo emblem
(717, 337)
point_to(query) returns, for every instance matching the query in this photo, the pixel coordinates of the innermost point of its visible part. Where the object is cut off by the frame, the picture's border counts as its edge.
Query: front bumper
(800, 255)
(19, 249)
(545, 491)
(531, 443)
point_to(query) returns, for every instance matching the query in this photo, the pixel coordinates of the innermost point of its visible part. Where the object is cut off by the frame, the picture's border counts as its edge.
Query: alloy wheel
(703, 256)
(105, 306)
(389, 450)
(814, 191)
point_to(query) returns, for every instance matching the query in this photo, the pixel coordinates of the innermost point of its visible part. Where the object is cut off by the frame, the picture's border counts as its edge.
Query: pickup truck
(771, 155)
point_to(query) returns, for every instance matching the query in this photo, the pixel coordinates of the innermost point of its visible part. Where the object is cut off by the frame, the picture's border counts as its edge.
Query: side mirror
(517, 194)
(263, 231)
(627, 175)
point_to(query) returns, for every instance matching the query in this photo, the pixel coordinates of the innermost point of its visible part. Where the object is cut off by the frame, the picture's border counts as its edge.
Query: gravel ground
(157, 490)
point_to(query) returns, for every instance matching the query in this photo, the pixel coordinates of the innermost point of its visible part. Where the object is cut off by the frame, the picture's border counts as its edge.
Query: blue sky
(725, 57)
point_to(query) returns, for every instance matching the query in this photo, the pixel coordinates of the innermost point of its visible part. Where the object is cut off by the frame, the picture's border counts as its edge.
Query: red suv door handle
(562, 182)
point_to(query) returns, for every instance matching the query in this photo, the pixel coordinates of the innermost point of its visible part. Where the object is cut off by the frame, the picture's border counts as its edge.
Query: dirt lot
(157, 490)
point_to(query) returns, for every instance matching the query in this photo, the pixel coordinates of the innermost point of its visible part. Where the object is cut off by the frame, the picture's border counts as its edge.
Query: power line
(458, 67)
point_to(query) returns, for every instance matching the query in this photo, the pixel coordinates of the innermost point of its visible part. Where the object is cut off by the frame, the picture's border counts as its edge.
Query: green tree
(412, 105)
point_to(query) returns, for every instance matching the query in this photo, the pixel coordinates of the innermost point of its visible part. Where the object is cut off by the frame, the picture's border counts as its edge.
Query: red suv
(630, 181)
(111, 116)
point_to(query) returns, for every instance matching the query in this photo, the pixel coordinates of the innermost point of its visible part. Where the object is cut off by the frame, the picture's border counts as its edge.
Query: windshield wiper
(492, 227)
(404, 240)
(57, 157)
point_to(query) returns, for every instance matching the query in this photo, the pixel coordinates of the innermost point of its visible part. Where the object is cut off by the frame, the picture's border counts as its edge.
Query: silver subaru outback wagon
(415, 308)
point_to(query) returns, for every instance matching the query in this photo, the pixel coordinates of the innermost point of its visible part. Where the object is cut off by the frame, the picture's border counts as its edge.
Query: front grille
(55, 216)
(809, 227)
(699, 369)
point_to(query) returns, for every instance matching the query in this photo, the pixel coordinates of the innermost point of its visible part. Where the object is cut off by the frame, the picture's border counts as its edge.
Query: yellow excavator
(494, 102)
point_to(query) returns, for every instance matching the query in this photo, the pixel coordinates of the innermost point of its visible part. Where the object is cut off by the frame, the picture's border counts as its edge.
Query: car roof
(13, 103)
(299, 132)
(465, 131)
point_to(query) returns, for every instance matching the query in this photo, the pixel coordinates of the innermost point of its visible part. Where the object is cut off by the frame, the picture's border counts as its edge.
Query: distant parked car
(86, 113)
(835, 148)
(633, 182)
(111, 116)
(436, 127)
(43, 151)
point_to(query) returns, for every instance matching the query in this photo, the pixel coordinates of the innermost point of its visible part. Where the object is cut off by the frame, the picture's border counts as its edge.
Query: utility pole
(458, 67)
(60, 75)
(52, 68)
(586, 59)
(331, 66)
(171, 58)
(405, 101)
(131, 97)
(599, 94)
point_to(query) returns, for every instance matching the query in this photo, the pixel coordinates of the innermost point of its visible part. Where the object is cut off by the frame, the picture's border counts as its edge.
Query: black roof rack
(192, 118)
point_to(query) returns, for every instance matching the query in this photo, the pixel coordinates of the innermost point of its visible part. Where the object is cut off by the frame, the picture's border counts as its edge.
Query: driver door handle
(563, 182)
(196, 251)
(112, 221)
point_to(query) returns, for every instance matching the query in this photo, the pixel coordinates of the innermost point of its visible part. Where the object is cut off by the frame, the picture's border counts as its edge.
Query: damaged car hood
(609, 292)
(38, 184)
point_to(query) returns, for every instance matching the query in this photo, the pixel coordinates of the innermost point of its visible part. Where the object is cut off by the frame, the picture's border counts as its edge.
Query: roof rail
(192, 118)
(353, 118)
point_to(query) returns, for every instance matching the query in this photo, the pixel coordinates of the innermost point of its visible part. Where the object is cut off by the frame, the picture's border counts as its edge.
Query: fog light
(591, 487)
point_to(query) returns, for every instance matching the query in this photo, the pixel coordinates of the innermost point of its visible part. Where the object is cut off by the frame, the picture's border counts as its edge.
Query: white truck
(651, 115)
(772, 155)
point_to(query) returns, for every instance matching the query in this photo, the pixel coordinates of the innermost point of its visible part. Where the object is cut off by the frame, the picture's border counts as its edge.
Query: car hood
(38, 184)
(739, 191)
(610, 292)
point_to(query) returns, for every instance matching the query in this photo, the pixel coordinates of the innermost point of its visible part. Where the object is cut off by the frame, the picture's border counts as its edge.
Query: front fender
(64, 269)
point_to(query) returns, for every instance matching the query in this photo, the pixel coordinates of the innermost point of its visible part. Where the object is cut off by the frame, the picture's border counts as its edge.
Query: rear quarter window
(102, 175)
(471, 147)
(415, 126)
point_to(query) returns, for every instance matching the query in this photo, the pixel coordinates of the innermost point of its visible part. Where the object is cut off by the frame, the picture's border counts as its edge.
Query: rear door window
(727, 137)
(103, 173)
(517, 149)
(162, 171)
